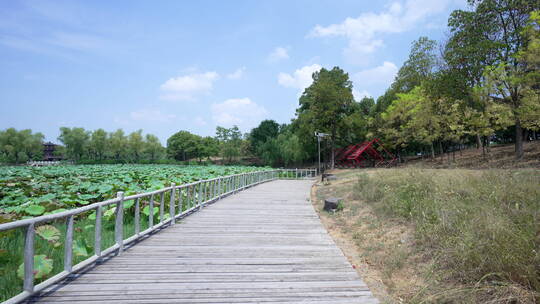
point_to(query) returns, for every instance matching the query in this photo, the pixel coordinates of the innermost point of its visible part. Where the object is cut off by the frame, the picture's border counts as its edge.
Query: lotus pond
(34, 191)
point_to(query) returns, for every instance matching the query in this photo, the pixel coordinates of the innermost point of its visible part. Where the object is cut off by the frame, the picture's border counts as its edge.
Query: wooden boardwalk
(262, 245)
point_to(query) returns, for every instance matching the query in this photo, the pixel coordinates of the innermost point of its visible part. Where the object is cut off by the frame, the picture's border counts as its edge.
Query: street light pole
(319, 136)
(319, 149)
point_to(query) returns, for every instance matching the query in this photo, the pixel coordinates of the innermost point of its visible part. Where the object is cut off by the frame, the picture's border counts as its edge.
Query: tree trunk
(332, 152)
(519, 140)
(432, 151)
(441, 150)
(478, 141)
(483, 148)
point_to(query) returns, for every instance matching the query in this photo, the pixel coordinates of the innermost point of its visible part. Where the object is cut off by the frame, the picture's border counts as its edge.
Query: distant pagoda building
(49, 150)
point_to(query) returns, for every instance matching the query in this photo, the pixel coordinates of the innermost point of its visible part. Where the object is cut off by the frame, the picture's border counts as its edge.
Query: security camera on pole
(319, 136)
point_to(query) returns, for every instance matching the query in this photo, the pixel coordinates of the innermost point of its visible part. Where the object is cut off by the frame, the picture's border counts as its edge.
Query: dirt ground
(381, 252)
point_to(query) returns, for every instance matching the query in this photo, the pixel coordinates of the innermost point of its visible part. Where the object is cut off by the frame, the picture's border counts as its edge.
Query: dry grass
(440, 236)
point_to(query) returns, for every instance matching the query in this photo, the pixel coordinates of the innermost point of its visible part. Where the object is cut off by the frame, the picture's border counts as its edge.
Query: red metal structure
(367, 154)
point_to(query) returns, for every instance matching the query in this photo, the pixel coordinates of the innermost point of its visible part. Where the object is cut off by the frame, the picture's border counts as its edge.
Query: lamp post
(319, 136)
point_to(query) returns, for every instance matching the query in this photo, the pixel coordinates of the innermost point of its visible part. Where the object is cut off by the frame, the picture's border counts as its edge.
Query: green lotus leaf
(34, 210)
(129, 204)
(92, 216)
(58, 210)
(42, 267)
(48, 233)
(146, 210)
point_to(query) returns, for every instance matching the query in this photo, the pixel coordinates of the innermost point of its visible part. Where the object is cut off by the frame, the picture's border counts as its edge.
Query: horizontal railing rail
(187, 197)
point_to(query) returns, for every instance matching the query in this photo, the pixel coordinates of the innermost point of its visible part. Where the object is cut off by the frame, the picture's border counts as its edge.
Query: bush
(480, 228)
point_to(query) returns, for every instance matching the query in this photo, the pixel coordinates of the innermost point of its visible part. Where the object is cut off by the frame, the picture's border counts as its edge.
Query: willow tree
(325, 104)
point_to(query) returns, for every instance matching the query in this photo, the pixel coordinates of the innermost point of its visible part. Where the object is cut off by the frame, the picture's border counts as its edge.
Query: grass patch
(479, 229)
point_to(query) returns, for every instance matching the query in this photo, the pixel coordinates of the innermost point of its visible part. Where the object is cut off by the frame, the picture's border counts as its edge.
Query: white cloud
(242, 112)
(278, 54)
(237, 74)
(383, 74)
(300, 79)
(188, 86)
(358, 95)
(199, 121)
(151, 115)
(365, 32)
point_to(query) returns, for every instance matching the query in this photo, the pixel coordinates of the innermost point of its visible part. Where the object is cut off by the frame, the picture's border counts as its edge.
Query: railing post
(68, 245)
(171, 205)
(151, 212)
(137, 216)
(97, 232)
(29, 258)
(119, 225)
(205, 192)
(200, 193)
(161, 206)
(219, 188)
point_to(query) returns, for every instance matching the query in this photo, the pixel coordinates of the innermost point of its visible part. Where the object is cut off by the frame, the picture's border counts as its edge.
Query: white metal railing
(42, 163)
(188, 197)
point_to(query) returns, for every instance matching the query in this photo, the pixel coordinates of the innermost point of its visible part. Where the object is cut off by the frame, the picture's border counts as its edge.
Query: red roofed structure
(367, 154)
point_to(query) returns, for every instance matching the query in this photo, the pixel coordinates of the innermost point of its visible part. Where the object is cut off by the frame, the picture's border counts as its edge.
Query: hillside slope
(501, 157)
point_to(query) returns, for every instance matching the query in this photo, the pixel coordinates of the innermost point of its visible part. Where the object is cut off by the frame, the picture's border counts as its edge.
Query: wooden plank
(262, 245)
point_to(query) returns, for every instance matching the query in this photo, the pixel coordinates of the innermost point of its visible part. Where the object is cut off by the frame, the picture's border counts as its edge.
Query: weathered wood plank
(262, 245)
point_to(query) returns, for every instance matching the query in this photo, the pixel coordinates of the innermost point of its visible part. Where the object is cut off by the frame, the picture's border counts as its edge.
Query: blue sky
(165, 66)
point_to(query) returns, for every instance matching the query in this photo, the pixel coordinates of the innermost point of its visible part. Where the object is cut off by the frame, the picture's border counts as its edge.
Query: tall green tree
(230, 140)
(491, 35)
(209, 147)
(325, 104)
(419, 66)
(135, 145)
(183, 145)
(98, 144)
(266, 130)
(152, 147)
(75, 140)
(118, 145)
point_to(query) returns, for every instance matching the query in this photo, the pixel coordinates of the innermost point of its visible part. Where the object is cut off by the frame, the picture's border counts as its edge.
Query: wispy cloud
(382, 74)
(359, 95)
(187, 87)
(365, 33)
(151, 115)
(239, 73)
(278, 54)
(242, 112)
(299, 79)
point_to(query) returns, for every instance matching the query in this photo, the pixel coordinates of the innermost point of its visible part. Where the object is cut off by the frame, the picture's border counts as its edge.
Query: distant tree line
(228, 144)
(99, 145)
(20, 146)
(480, 85)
